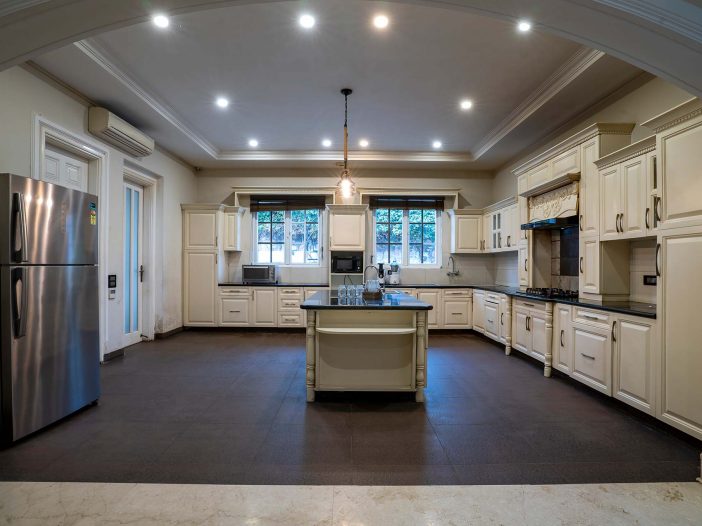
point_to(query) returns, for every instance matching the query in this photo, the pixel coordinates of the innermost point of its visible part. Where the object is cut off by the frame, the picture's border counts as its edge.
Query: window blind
(267, 203)
(406, 202)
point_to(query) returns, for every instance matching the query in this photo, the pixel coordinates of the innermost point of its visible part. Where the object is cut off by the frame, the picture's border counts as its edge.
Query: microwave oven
(259, 273)
(347, 262)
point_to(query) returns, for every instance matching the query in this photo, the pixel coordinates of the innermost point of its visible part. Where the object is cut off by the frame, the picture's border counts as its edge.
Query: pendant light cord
(346, 130)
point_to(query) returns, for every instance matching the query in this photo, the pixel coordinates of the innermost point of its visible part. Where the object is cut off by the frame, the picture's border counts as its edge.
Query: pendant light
(346, 185)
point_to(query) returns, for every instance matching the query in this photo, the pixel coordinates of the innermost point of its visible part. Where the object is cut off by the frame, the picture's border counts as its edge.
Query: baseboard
(112, 355)
(167, 334)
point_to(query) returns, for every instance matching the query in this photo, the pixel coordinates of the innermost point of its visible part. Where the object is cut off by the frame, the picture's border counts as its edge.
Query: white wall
(651, 99)
(25, 95)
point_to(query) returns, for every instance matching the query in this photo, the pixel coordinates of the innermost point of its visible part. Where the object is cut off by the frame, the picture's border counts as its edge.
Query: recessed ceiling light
(307, 21)
(222, 102)
(363, 143)
(381, 21)
(524, 26)
(466, 104)
(326, 143)
(253, 143)
(436, 145)
(161, 21)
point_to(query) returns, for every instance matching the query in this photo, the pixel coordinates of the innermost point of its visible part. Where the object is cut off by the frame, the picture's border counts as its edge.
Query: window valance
(267, 203)
(413, 202)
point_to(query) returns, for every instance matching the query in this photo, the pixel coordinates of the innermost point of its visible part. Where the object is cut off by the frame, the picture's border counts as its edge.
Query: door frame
(148, 290)
(98, 183)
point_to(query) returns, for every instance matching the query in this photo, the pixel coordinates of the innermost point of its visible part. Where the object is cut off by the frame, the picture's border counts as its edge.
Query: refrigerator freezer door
(47, 224)
(53, 369)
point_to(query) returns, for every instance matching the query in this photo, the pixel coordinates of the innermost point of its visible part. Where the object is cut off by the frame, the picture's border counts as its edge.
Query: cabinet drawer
(457, 313)
(529, 304)
(289, 292)
(235, 311)
(591, 316)
(493, 296)
(290, 319)
(458, 293)
(234, 292)
(285, 303)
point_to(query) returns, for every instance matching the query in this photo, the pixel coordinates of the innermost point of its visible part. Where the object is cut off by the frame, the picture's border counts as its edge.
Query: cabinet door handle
(589, 357)
(234, 311)
(509, 241)
(502, 318)
(581, 264)
(590, 317)
(525, 264)
(614, 336)
(528, 304)
(528, 325)
(646, 218)
(621, 222)
(616, 223)
(658, 255)
(657, 209)
(562, 331)
(499, 240)
(580, 223)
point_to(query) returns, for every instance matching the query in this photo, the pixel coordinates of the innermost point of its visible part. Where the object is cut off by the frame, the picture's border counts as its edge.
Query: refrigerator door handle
(19, 304)
(19, 228)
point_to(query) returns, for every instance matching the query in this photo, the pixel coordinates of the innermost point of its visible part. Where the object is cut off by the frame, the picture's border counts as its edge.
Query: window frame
(287, 241)
(405, 242)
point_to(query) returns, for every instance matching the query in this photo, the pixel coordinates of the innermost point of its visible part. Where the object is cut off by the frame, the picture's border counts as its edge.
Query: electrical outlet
(650, 280)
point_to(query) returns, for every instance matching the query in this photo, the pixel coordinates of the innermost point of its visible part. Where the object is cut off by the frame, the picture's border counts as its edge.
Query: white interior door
(133, 262)
(63, 168)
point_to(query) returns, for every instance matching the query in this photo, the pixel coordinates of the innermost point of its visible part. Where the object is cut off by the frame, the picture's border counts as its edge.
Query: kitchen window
(406, 236)
(288, 237)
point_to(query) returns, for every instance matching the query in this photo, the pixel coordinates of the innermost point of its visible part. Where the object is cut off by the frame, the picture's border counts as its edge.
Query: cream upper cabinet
(200, 289)
(562, 349)
(201, 229)
(433, 297)
(479, 311)
(611, 185)
(513, 227)
(466, 232)
(679, 307)
(264, 307)
(232, 229)
(679, 157)
(487, 231)
(589, 265)
(633, 362)
(626, 189)
(589, 205)
(347, 227)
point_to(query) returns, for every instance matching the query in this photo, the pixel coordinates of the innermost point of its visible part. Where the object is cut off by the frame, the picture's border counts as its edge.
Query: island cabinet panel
(633, 362)
(680, 305)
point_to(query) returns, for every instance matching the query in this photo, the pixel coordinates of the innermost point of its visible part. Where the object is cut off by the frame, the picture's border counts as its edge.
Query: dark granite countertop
(298, 285)
(325, 299)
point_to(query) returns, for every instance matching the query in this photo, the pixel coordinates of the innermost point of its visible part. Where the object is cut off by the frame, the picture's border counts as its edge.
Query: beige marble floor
(39, 503)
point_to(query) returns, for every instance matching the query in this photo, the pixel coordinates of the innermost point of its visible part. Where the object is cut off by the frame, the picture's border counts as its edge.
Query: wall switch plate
(650, 280)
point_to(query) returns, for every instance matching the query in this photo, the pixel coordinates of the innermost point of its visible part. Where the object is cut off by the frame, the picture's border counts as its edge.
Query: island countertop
(326, 299)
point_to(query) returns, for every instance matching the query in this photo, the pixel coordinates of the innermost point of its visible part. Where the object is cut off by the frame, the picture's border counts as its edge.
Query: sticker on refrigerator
(93, 214)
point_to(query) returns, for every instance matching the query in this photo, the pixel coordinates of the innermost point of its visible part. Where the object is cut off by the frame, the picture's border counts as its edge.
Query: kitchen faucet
(453, 272)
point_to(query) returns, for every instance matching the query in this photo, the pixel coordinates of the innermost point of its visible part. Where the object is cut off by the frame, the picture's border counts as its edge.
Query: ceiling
(283, 83)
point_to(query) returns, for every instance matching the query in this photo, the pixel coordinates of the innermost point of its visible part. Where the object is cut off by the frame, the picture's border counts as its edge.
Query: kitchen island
(366, 345)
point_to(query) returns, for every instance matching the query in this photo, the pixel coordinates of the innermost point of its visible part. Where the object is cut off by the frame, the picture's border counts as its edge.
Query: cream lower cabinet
(234, 306)
(433, 297)
(479, 311)
(633, 362)
(492, 319)
(200, 289)
(264, 303)
(562, 347)
(457, 309)
(679, 307)
(532, 328)
(289, 312)
(592, 348)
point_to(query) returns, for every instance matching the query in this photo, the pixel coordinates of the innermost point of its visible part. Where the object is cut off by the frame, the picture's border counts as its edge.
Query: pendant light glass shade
(346, 186)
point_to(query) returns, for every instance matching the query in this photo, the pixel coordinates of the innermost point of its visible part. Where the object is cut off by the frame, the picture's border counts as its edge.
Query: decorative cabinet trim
(681, 113)
(599, 128)
(636, 149)
(561, 202)
(201, 206)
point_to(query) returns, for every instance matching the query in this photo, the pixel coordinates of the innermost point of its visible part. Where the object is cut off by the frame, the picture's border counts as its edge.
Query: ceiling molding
(357, 156)
(101, 58)
(562, 77)
(661, 14)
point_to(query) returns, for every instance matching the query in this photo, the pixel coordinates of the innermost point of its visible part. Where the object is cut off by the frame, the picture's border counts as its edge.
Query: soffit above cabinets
(284, 84)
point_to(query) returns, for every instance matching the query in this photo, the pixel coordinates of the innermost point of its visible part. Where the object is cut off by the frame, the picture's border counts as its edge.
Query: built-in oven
(259, 273)
(347, 262)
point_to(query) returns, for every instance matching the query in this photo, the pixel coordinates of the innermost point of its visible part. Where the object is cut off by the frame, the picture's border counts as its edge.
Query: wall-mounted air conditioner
(109, 127)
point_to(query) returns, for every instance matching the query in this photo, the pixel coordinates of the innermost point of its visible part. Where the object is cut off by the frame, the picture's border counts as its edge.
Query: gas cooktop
(545, 292)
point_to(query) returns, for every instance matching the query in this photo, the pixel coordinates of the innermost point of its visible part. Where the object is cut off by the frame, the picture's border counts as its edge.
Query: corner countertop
(325, 300)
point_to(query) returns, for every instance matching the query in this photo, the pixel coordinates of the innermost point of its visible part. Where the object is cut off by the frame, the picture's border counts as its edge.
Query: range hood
(554, 223)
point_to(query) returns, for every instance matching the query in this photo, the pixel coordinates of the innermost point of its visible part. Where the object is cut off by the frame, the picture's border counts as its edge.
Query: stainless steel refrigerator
(49, 303)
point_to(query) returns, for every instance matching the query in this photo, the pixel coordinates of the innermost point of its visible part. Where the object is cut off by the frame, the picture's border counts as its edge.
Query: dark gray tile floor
(229, 407)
